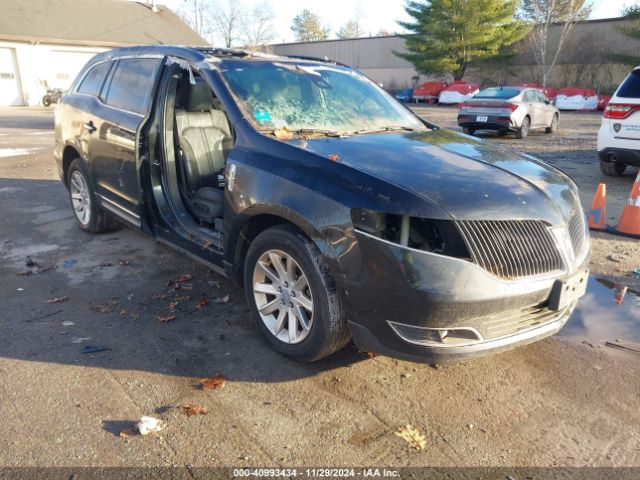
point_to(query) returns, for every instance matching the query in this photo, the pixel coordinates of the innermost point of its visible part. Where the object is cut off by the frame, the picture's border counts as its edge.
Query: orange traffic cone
(597, 215)
(629, 223)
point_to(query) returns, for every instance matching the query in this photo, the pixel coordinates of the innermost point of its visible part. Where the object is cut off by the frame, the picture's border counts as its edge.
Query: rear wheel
(611, 167)
(554, 124)
(292, 295)
(469, 131)
(523, 131)
(90, 216)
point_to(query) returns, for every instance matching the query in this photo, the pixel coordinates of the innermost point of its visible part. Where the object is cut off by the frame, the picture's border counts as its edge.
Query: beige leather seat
(205, 141)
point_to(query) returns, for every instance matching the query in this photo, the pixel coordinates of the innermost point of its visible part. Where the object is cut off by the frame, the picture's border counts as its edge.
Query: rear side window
(541, 97)
(630, 88)
(92, 82)
(131, 83)
(529, 96)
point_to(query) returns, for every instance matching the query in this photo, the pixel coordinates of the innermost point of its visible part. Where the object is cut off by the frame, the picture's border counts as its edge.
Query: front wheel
(292, 296)
(90, 216)
(523, 131)
(46, 100)
(554, 124)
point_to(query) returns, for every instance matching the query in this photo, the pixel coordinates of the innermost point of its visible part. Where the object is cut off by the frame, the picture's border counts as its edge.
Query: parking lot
(566, 401)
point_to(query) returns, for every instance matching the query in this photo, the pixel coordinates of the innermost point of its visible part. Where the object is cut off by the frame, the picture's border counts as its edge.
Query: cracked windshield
(312, 98)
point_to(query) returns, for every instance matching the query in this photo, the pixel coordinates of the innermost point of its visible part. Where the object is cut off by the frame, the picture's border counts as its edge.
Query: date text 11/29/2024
(316, 472)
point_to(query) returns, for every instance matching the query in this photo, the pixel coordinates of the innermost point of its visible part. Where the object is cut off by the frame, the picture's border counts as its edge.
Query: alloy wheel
(283, 296)
(80, 198)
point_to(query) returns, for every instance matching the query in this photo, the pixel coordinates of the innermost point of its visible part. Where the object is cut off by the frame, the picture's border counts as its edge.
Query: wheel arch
(69, 154)
(255, 221)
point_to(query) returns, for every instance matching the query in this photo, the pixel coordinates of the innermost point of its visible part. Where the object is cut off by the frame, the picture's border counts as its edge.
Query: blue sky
(377, 14)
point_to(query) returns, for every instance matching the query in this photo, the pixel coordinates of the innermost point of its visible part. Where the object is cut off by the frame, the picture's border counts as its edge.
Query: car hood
(466, 177)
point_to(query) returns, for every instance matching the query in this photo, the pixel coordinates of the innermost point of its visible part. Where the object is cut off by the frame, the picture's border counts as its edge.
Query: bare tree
(227, 20)
(544, 14)
(258, 26)
(195, 13)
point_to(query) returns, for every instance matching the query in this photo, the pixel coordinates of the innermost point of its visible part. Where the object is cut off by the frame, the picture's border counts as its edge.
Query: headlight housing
(430, 235)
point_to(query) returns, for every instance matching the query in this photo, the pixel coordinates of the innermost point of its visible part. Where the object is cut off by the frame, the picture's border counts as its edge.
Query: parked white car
(619, 134)
(515, 109)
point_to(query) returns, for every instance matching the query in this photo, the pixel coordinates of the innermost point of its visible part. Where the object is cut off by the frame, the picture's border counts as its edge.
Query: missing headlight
(436, 236)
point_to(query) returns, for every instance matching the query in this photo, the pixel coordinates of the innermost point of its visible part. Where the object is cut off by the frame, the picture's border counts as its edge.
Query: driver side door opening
(195, 141)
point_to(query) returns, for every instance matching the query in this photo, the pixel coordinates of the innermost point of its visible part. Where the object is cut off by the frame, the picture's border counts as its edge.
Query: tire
(612, 168)
(327, 326)
(88, 214)
(469, 131)
(554, 124)
(46, 100)
(523, 131)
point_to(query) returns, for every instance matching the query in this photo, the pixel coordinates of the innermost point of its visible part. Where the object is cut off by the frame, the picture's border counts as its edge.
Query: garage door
(64, 66)
(9, 93)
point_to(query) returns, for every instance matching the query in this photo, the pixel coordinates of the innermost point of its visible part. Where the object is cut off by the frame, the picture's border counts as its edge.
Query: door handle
(90, 126)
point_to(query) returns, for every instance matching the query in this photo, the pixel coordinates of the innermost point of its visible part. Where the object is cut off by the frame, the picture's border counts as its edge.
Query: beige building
(45, 43)
(584, 61)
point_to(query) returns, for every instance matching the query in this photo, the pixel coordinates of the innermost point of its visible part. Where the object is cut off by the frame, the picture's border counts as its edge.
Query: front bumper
(405, 291)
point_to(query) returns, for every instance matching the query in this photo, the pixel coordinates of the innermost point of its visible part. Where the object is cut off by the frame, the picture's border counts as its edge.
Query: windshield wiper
(317, 131)
(384, 129)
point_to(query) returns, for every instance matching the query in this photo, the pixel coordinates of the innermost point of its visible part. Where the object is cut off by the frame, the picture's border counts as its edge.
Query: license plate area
(482, 118)
(565, 292)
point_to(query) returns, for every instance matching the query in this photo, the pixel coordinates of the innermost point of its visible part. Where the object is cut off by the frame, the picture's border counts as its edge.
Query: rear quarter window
(630, 88)
(93, 80)
(131, 84)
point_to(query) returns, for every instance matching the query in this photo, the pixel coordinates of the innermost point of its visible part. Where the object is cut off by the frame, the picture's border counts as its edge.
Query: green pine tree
(632, 31)
(446, 35)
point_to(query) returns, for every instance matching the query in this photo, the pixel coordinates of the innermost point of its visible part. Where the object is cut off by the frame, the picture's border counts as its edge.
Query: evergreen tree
(446, 35)
(632, 31)
(307, 27)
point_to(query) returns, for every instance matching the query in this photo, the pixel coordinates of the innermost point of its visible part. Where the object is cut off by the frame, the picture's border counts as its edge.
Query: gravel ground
(572, 149)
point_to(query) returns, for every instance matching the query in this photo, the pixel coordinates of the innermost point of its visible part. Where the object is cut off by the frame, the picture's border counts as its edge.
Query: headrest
(195, 98)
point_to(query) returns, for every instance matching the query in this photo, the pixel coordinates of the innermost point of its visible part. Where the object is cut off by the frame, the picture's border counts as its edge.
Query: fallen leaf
(106, 307)
(124, 263)
(57, 300)
(129, 432)
(208, 244)
(172, 305)
(371, 354)
(128, 313)
(185, 278)
(159, 296)
(203, 303)
(282, 134)
(213, 383)
(224, 299)
(412, 436)
(168, 318)
(184, 286)
(191, 410)
(183, 298)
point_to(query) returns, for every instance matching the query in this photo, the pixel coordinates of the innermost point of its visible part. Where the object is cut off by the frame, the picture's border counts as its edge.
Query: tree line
(443, 37)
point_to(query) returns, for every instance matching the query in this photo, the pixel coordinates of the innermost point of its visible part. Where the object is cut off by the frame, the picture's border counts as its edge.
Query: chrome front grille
(511, 248)
(577, 231)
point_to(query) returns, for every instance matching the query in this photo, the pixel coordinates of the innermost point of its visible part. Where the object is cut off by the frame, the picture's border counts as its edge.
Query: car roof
(199, 54)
